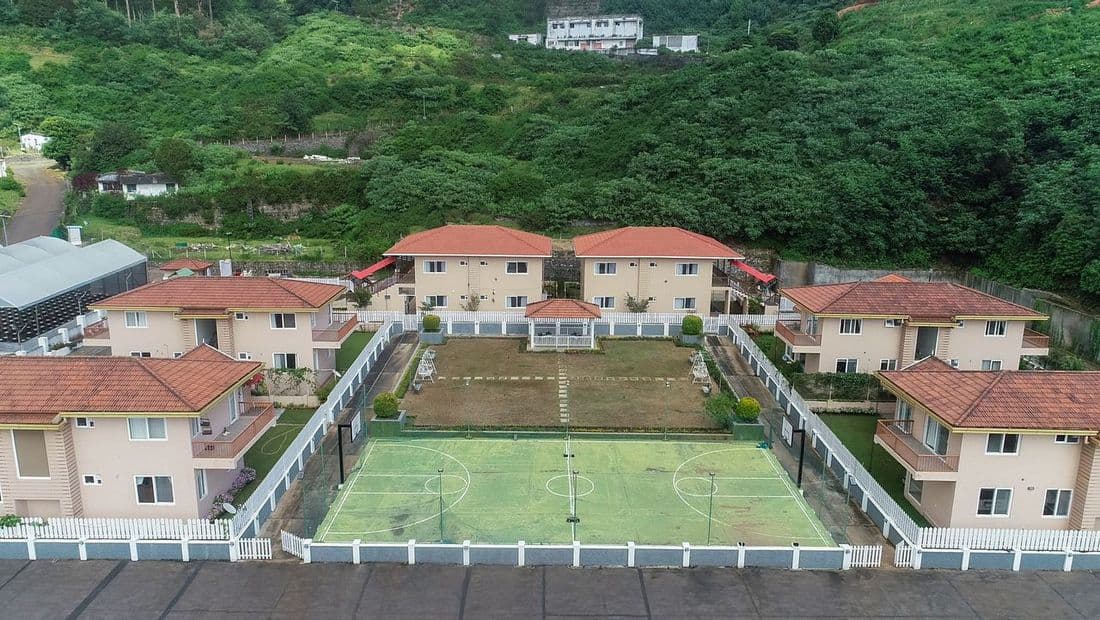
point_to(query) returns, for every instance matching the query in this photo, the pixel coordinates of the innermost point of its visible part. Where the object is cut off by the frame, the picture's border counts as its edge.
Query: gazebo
(562, 324)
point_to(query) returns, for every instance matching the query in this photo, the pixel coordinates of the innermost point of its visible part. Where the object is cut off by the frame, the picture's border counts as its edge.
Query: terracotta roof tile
(471, 240)
(893, 277)
(227, 293)
(39, 387)
(562, 309)
(651, 242)
(206, 353)
(193, 264)
(1008, 399)
(928, 364)
(933, 301)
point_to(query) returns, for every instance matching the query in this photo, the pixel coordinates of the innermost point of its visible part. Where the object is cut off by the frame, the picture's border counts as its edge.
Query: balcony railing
(561, 342)
(1036, 340)
(897, 435)
(336, 331)
(405, 277)
(240, 433)
(792, 333)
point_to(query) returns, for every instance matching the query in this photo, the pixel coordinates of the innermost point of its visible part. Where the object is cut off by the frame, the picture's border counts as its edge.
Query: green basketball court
(505, 490)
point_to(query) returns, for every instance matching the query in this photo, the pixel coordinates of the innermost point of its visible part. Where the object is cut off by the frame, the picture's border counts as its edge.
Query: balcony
(1036, 343)
(332, 336)
(403, 277)
(897, 438)
(238, 437)
(801, 342)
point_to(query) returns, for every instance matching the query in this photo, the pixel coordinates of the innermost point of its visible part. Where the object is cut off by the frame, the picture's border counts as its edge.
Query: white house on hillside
(133, 183)
(534, 38)
(599, 33)
(677, 42)
(33, 141)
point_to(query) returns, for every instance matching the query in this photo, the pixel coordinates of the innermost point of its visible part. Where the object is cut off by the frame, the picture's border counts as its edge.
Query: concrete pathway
(42, 207)
(161, 590)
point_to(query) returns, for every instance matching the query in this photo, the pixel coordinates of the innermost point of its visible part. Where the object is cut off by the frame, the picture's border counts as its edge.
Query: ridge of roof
(592, 244)
(981, 397)
(522, 238)
(159, 379)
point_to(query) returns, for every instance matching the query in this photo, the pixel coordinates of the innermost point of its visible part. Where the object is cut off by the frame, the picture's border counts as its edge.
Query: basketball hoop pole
(441, 504)
(710, 508)
(801, 453)
(340, 447)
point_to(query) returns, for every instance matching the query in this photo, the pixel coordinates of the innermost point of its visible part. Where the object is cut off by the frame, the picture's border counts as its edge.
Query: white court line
(344, 498)
(797, 495)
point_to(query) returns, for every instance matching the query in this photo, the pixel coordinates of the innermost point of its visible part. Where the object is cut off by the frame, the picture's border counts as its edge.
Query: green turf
(501, 491)
(351, 349)
(263, 455)
(857, 432)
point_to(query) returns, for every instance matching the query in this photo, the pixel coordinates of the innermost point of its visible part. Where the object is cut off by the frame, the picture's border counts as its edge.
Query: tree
(826, 27)
(473, 303)
(783, 39)
(175, 157)
(111, 143)
(361, 295)
(633, 304)
(67, 139)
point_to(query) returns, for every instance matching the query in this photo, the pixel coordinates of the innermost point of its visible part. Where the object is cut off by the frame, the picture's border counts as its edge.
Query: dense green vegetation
(904, 134)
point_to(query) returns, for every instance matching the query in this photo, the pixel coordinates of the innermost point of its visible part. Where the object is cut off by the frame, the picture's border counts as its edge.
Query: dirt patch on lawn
(502, 403)
(858, 6)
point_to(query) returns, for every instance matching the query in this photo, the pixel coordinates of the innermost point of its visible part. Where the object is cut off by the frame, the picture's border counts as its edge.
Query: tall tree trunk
(177, 5)
(154, 7)
(210, 9)
(129, 16)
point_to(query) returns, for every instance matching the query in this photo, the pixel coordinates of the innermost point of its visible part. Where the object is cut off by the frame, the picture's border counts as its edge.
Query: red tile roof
(206, 353)
(193, 264)
(38, 388)
(893, 277)
(941, 301)
(221, 294)
(562, 309)
(1007, 399)
(470, 240)
(651, 242)
(928, 364)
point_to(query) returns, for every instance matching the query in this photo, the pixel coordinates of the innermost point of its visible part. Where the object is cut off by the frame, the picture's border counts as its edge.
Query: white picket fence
(291, 544)
(711, 324)
(74, 528)
(253, 548)
(903, 556)
(344, 282)
(866, 556)
(1027, 540)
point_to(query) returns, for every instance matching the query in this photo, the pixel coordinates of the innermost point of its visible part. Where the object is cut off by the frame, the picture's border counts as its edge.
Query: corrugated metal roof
(38, 269)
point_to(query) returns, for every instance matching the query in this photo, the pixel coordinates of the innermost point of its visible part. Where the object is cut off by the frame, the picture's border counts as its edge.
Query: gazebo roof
(562, 309)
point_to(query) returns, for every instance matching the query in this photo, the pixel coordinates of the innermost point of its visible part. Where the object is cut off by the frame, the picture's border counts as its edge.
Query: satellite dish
(230, 508)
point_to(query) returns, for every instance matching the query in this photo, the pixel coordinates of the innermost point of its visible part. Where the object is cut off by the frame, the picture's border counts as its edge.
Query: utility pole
(710, 509)
(4, 222)
(440, 504)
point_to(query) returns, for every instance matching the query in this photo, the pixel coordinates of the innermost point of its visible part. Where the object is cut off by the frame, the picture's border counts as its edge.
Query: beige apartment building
(1007, 449)
(675, 270)
(122, 436)
(891, 322)
(463, 267)
(284, 324)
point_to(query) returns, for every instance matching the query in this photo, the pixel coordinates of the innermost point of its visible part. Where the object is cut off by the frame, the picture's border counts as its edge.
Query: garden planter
(690, 341)
(431, 337)
(386, 427)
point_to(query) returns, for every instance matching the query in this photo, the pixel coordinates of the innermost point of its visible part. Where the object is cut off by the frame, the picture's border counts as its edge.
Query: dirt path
(42, 207)
(860, 4)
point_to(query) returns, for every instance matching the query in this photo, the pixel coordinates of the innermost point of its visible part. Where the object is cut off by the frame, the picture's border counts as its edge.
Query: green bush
(747, 409)
(385, 405)
(721, 407)
(692, 325)
(431, 323)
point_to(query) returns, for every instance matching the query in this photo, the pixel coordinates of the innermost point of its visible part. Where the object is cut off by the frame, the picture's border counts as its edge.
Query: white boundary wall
(1028, 540)
(119, 529)
(669, 322)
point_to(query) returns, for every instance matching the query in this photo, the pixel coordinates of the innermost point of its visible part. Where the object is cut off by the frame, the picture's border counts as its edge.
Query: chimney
(225, 267)
(74, 235)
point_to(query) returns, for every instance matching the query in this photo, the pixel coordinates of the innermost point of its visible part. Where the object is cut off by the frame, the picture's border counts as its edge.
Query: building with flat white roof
(596, 33)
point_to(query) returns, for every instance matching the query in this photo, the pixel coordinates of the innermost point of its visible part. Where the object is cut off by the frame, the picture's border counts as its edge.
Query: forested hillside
(906, 133)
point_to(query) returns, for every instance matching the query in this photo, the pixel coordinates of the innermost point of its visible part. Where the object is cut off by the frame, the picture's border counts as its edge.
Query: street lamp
(440, 504)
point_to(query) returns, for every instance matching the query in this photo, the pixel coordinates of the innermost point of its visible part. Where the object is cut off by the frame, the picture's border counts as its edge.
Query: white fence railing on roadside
(344, 282)
(119, 529)
(1028, 540)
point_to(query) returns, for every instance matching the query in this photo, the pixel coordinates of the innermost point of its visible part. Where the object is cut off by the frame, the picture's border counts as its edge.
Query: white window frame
(521, 301)
(681, 303)
(929, 425)
(904, 411)
(1067, 439)
(682, 267)
(1057, 502)
(155, 502)
(855, 365)
(140, 319)
(195, 426)
(240, 316)
(140, 354)
(201, 486)
(614, 268)
(996, 329)
(282, 319)
(148, 437)
(1001, 444)
(993, 506)
(600, 301)
(275, 361)
(988, 365)
(15, 459)
(856, 323)
(909, 482)
(892, 323)
(428, 300)
(244, 356)
(512, 268)
(96, 480)
(84, 422)
(890, 364)
(442, 264)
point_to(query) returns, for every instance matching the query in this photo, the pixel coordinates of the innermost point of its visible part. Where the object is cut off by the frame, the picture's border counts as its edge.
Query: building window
(516, 267)
(936, 436)
(991, 364)
(146, 429)
(131, 188)
(653, 264)
(606, 269)
(893, 322)
(285, 360)
(687, 269)
(904, 411)
(140, 354)
(92, 480)
(605, 303)
(1057, 502)
(244, 356)
(200, 483)
(136, 318)
(1002, 443)
(435, 266)
(196, 426)
(847, 364)
(996, 328)
(994, 502)
(154, 489)
(954, 363)
(461, 263)
(436, 301)
(85, 423)
(281, 320)
(1067, 439)
(516, 301)
(240, 316)
(888, 364)
(915, 488)
(31, 459)
(683, 303)
(177, 354)
(851, 327)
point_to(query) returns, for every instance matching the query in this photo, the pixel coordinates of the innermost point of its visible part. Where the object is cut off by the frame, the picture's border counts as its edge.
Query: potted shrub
(747, 409)
(691, 330)
(388, 418)
(431, 334)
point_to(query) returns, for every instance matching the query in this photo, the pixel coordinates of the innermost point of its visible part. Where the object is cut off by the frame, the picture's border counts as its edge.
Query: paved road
(123, 590)
(42, 207)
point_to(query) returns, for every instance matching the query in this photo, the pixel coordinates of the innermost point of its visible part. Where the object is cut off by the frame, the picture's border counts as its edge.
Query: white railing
(74, 528)
(303, 445)
(895, 517)
(562, 342)
(291, 544)
(903, 556)
(1027, 540)
(866, 556)
(711, 324)
(253, 548)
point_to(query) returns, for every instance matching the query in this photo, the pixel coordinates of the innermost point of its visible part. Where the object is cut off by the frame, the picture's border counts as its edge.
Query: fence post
(355, 554)
(307, 551)
(846, 563)
(630, 554)
(885, 526)
(521, 553)
(687, 555)
(185, 549)
(82, 548)
(666, 329)
(1017, 555)
(134, 552)
(795, 556)
(32, 553)
(917, 554)
(966, 558)
(576, 553)
(235, 550)
(1067, 565)
(412, 551)
(465, 553)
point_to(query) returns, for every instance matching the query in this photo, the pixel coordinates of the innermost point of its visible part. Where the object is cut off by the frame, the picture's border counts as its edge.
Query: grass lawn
(263, 455)
(351, 349)
(856, 431)
(11, 196)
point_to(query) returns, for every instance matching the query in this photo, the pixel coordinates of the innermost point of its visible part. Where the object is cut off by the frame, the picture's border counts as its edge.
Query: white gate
(867, 556)
(292, 544)
(903, 556)
(253, 548)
